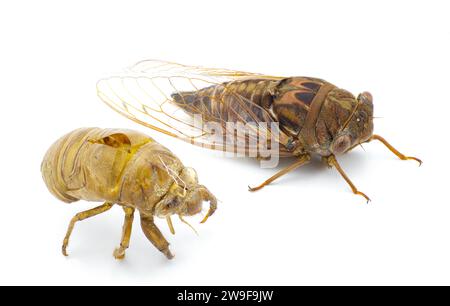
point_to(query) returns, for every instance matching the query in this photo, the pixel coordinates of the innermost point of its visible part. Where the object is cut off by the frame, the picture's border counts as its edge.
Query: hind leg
(303, 159)
(119, 253)
(82, 216)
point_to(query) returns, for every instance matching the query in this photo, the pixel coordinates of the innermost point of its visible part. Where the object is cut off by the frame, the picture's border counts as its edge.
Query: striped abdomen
(237, 101)
(286, 101)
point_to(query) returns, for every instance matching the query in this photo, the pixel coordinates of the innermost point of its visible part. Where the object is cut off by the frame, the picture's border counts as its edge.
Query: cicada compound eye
(341, 144)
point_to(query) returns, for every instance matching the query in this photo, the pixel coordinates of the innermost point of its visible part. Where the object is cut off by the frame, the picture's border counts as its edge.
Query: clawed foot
(64, 251)
(168, 254)
(394, 150)
(64, 247)
(413, 158)
(363, 194)
(254, 188)
(119, 253)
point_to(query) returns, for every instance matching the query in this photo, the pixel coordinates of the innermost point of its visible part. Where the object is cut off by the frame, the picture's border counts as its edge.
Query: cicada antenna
(170, 224)
(360, 144)
(185, 222)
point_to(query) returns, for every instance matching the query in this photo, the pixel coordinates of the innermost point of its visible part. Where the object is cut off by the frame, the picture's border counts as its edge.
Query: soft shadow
(354, 162)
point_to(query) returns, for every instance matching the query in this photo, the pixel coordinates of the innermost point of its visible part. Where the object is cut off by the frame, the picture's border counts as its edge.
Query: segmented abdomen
(60, 167)
(286, 101)
(82, 165)
(237, 101)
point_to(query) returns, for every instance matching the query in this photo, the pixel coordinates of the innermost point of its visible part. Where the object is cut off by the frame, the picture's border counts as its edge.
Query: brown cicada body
(126, 168)
(312, 116)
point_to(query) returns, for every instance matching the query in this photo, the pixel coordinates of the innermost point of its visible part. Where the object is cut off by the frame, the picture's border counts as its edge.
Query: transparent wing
(145, 94)
(169, 69)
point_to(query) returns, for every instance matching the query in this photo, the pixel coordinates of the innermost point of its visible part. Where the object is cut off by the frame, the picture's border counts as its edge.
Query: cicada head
(344, 121)
(185, 197)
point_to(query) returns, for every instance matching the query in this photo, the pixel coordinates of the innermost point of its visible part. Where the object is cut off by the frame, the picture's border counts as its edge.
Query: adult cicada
(306, 115)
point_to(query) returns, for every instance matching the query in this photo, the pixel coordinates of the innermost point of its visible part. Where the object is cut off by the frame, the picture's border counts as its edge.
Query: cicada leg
(332, 162)
(82, 216)
(119, 253)
(154, 235)
(393, 150)
(170, 224)
(302, 160)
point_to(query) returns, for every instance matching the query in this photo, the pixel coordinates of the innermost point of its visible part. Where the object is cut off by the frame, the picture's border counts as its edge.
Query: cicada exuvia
(306, 115)
(125, 168)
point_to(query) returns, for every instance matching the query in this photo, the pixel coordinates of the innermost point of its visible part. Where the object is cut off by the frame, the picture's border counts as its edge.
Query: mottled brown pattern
(311, 85)
(291, 116)
(305, 97)
(292, 102)
(286, 101)
(230, 102)
(315, 116)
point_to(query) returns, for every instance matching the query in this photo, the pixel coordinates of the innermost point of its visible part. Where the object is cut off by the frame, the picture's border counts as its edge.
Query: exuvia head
(185, 197)
(344, 121)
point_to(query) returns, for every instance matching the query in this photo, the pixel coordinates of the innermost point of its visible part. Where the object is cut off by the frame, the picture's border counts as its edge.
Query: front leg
(154, 235)
(394, 150)
(332, 162)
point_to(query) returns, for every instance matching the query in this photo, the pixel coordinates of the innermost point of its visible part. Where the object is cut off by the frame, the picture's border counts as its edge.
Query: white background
(308, 228)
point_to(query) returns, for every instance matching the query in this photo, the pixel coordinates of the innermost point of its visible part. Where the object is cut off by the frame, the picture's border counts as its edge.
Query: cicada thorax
(293, 101)
(309, 109)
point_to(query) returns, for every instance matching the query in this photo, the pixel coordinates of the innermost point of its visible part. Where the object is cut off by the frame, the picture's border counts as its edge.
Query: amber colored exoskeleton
(313, 115)
(127, 168)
